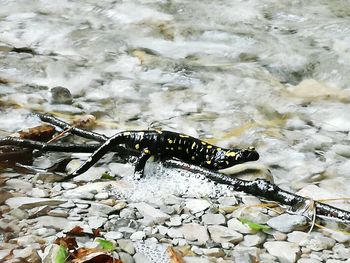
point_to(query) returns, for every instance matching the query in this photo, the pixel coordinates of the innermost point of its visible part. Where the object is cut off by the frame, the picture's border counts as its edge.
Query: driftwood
(258, 187)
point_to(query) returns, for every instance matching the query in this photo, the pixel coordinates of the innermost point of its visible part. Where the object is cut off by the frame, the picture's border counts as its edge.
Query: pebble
(308, 260)
(140, 258)
(98, 209)
(37, 192)
(138, 235)
(28, 240)
(75, 194)
(297, 237)
(151, 215)
(31, 202)
(253, 240)
(287, 223)
(127, 213)
(174, 221)
(284, 251)
(197, 205)
(341, 252)
(223, 234)
(213, 219)
(58, 223)
(119, 206)
(237, 225)
(227, 201)
(96, 221)
(101, 196)
(213, 252)
(127, 246)
(19, 184)
(318, 242)
(113, 235)
(195, 232)
(68, 204)
(67, 185)
(19, 213)
(126, 258)
(174, 233)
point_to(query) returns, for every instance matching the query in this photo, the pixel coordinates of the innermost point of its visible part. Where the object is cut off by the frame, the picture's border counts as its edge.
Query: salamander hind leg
(141, 162)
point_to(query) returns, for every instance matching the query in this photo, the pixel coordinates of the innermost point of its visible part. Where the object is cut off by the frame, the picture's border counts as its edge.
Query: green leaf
(105, 244)
(61, 255)
(254, 226)
(107, 176)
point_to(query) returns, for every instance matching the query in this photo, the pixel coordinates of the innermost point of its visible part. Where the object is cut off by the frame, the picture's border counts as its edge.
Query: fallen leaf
(61, 255)
(42, 133)
(254, 226)
(105, 244)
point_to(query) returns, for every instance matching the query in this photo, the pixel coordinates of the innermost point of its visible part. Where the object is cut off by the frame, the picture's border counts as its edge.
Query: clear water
(266, 73)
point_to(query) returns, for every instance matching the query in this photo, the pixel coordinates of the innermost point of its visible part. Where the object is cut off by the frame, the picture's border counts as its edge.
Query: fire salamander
(168, 144)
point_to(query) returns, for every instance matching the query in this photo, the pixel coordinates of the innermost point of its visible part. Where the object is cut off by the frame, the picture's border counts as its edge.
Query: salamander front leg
(141, 162)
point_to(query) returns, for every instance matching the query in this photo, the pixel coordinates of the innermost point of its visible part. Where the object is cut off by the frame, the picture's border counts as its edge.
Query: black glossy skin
(167, 144)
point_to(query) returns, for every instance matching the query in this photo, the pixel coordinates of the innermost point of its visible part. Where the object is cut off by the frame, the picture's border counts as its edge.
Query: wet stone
(119, 206)
(228, 201)
(140, 258)
(101, 196)
(67, 185)
(174, 221)
(74, 194)
(19, 184)
(214, 252)
(237, 225)
(37, 192)
(125, 257)
(195, 232)
(113, 235)
(138, 235)
(31, 202)
(297, 237)
(96, 221)
(174, 233)
(127, 246)
(308, 260)
(127, 213)
(318, 242)
(253, 240)
(58, 223)
(151, 215)
(97, 209)
(61, 95)
(341, 252)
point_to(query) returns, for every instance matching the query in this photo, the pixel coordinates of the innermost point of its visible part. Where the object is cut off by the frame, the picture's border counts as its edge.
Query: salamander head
(241, 156)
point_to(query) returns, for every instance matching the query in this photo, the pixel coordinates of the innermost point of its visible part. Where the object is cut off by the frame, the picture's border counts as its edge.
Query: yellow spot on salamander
(187, 151)
(204, 143)
(146, 151)
(219, 149)
(209, 146)
(208, 162)
(184, 136)
(170, 141)
(166, 148)
(227, 162)
(158, 131)
(193, 158)
(231, 154)
(137, 146)
(179, 148)
(193, 145)
(126, 133)
(172, 148)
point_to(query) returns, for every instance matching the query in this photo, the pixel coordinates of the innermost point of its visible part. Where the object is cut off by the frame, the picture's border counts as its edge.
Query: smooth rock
(174, 221)
(341, 252)
(68, 185)
(222, 234)
(23, 253)
(38, 192)
(308, 260)
(69, 204)
(101, 196)
(284, 251)
(119, 206)
(151, 215)
(76, 194)
(98, 209)
(171, 200)
(318, 242)
(113, 235)
(213, 252)
(162, 230)
(126, 258)
(28, 240)
(128, 213)
(213, 219)
(287, 223)
(19, 184)
(141, 258)
(127, 246)
(227, 201)
(19, 213)
(297, 237)
(197, 205)
(58, 223)
(96, 221)
(138, 235)
(197, 260)
(195, 232)
(253, 240)
(237, 225)
(31, 202)
(174, 233)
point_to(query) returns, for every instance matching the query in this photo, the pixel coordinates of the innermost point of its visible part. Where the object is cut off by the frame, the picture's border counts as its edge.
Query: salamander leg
(141, 162)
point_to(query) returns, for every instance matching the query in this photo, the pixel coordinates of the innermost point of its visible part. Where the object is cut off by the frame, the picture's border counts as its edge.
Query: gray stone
(113, 235)
(284, 251)
(237, 225)
(308, 260)
(58, 213)
(222, 234)
(127, 246)
(77, 194)
(19, 213)
(68, 204)
(23, 253)
(162, 230)
(227, 201)
(96, 221)
(297, 237)
(31, 202)
(138, 235)
(340, 252)
(126, 258)
(101, 196)
(318, 242)
(174, 221)
(172, 200)
(127, 213)
(19, 184)
(253, 240)
(38, 192)
(287, 223)
(213, 219)
(197, 260)
(197, 205)
(58, 223)
(98, 209)
(174, 233)
(119, 206)
(213, 252)
(195, 232)
(68, 185)
(151, 215)
(140, 258)
(27, 240)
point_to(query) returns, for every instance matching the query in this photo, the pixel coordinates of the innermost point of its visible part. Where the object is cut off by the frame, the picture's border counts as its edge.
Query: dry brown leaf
(174, 257)
(68, 242)
(41, 133)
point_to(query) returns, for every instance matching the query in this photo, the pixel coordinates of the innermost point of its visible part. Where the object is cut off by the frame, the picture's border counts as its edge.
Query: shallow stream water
(266, 73)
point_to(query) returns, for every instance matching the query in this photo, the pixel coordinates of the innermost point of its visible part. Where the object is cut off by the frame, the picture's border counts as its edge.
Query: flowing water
(273, 74)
